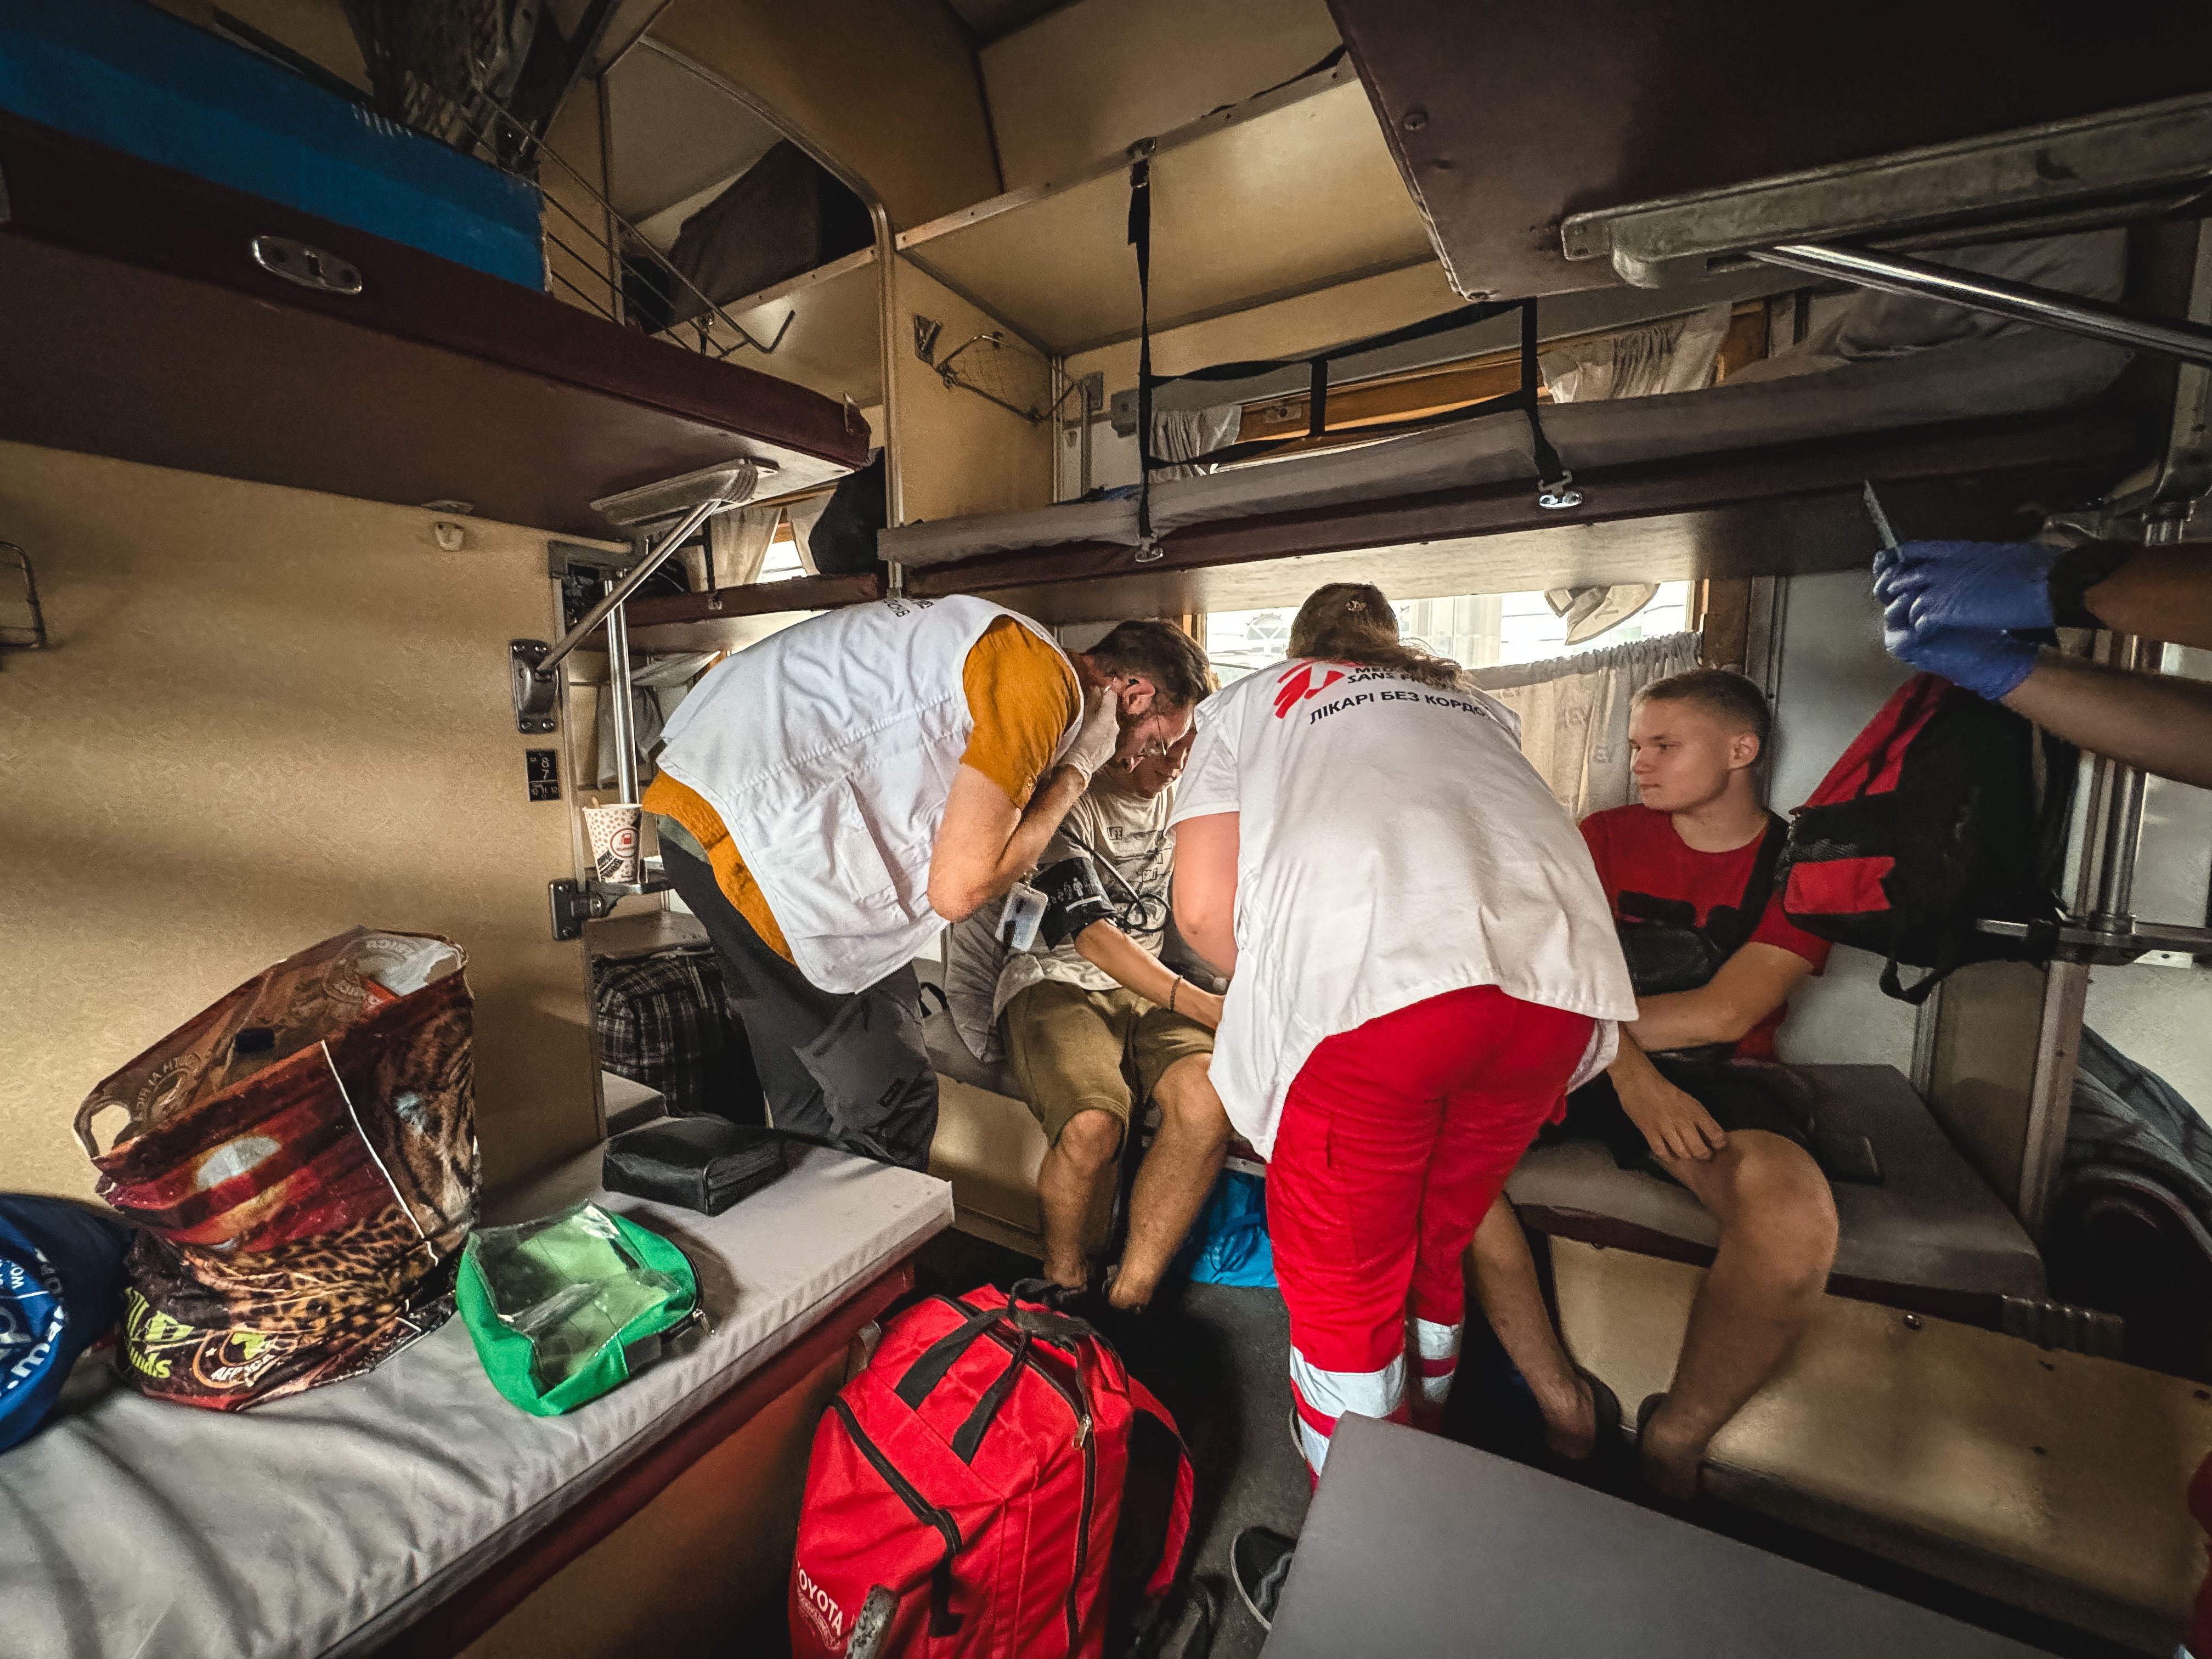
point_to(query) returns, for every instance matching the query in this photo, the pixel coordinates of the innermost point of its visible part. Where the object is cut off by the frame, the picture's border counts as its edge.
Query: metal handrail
(1895, 273)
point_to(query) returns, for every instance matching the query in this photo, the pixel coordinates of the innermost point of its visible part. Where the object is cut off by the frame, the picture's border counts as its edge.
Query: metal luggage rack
(608, 253)
(30, 635)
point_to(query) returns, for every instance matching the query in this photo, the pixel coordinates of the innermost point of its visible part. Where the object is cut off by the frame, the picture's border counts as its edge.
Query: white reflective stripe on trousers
(1332, 1394)
(1438, 1345)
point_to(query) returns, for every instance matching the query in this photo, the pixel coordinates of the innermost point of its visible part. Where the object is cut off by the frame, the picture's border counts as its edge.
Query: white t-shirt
(1392, 845)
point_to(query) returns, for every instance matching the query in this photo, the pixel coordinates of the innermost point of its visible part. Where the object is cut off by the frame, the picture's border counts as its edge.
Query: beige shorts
(1073, 1049)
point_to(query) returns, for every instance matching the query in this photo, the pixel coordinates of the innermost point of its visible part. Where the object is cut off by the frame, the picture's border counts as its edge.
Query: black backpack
(1945, 810)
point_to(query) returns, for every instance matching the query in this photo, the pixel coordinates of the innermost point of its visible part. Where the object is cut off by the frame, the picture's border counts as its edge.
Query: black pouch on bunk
(702, 1163)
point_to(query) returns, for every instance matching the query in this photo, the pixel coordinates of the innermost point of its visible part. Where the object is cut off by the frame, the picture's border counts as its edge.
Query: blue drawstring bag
(61, 1289)
(1231, 1235)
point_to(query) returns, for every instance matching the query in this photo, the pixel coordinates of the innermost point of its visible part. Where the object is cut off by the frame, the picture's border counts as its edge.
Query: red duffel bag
(965, 1490)
(300, 1162)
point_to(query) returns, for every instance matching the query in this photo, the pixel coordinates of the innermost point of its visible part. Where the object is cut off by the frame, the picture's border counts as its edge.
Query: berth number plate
(543, 769)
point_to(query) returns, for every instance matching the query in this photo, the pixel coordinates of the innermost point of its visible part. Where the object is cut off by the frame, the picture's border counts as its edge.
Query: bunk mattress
(325, 1523)
(1933, 1237)
(2030, 372)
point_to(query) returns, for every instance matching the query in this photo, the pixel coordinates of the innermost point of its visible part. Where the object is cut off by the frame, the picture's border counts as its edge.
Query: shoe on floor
(1260, 1561)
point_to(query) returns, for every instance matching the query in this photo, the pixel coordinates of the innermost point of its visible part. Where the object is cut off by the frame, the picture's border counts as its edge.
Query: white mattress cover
(1975, 380)
(322, 1524)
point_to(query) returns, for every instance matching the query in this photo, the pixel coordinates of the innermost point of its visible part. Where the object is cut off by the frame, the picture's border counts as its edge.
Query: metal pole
(2050, 1090)
(1894, 273)
(2122, 824)
(625, 709)
(654, 558)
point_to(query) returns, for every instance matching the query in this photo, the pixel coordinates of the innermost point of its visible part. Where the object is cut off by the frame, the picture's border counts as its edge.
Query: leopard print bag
(300, 1222)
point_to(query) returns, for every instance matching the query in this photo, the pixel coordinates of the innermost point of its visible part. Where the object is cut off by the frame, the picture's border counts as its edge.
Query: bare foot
(1671, 1459)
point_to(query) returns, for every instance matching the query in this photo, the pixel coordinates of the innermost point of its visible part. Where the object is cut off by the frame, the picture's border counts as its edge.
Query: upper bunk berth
(1900, 392)
(208, 262)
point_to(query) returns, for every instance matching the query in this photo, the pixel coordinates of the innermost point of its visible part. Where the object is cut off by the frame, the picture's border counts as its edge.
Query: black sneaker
(1260, 1561)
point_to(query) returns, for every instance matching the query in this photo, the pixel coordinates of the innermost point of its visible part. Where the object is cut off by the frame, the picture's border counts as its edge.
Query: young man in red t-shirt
(1688, 852)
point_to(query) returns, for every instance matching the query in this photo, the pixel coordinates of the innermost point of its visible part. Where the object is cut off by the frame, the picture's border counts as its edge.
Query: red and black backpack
(1945, 810)
(965, 1496)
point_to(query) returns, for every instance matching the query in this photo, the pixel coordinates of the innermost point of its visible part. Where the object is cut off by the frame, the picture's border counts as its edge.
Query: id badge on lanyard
(1025, 910)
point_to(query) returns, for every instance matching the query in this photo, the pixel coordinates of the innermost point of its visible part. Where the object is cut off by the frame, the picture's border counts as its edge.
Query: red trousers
(1395, 1139)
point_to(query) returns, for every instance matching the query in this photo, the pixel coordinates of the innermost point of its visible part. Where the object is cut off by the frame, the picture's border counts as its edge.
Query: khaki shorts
(1068, 1048)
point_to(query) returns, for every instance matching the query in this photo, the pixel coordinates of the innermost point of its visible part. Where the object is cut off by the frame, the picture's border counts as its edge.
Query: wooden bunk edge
(474, 1608)
(86, 195)
(665, 613)
(1983, 1309)
(2046, 450)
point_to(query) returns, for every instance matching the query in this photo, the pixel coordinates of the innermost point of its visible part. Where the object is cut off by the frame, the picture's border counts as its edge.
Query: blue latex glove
(1985, 661)
(1975, 584)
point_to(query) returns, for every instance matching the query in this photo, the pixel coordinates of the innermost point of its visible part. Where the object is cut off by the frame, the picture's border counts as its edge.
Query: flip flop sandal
(1605, 1407)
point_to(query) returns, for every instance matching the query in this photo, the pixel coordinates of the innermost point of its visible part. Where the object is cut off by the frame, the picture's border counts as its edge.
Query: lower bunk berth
(414, 1511)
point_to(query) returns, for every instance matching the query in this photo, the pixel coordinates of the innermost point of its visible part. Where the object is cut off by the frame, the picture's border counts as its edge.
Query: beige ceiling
(1281, 196)
(989, 19)
(674, 133)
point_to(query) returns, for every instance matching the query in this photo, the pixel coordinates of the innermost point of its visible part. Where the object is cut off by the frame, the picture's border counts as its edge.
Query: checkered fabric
(662, 1022)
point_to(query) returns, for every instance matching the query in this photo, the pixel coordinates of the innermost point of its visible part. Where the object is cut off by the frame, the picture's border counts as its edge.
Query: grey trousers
(847, 1070)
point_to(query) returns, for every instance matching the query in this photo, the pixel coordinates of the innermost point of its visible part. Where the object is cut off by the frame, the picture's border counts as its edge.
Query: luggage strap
(1730, 933)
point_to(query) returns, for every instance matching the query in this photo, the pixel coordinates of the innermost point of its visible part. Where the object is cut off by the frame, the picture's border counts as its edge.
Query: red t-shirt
(1636, 851)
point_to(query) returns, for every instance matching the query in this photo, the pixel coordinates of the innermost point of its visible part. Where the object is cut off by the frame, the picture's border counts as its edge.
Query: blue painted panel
(124, 74)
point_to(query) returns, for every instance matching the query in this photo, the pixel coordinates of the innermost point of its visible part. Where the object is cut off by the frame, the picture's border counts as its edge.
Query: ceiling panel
(1509, 118)
(674, 133)
(1289, 193)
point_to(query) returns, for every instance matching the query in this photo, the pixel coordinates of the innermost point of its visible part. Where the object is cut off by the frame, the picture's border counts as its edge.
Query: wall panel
(957, 452)
(269, 714)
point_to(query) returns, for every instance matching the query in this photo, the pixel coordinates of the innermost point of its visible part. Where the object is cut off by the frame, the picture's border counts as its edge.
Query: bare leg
(1177, 1174)
(1074, 1183)
(1506, 1287)
(1777, 1240)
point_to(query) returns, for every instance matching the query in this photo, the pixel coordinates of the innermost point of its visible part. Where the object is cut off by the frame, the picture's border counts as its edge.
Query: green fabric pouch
(569, 1306)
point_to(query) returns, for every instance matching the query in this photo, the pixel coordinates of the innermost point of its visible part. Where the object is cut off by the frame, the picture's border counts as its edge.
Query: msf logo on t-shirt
(1298, 684)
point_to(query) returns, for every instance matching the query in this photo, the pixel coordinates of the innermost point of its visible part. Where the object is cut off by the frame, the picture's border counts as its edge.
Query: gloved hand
(1984, 585)
(1099, 735)
(1986, 661)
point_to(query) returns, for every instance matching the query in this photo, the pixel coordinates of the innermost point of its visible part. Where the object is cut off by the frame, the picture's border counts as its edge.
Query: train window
(1476, 630)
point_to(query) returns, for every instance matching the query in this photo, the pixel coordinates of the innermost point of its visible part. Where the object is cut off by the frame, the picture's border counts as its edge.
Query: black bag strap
(1553, 479)
(1140, 238)
(1730, 933)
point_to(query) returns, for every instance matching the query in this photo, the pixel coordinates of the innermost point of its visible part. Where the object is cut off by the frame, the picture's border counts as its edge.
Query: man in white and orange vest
(830, 797)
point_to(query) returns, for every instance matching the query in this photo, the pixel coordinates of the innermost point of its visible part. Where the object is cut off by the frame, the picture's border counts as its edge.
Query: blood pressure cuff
(1074, 899)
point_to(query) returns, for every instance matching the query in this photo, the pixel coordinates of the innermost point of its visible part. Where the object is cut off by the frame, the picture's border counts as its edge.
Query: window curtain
(803, 516)
(740, 541)
(1183, 435)
(1574, 714)
(1676, 353)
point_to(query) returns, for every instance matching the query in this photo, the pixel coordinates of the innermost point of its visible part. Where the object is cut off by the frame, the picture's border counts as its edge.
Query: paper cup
(613, 830)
